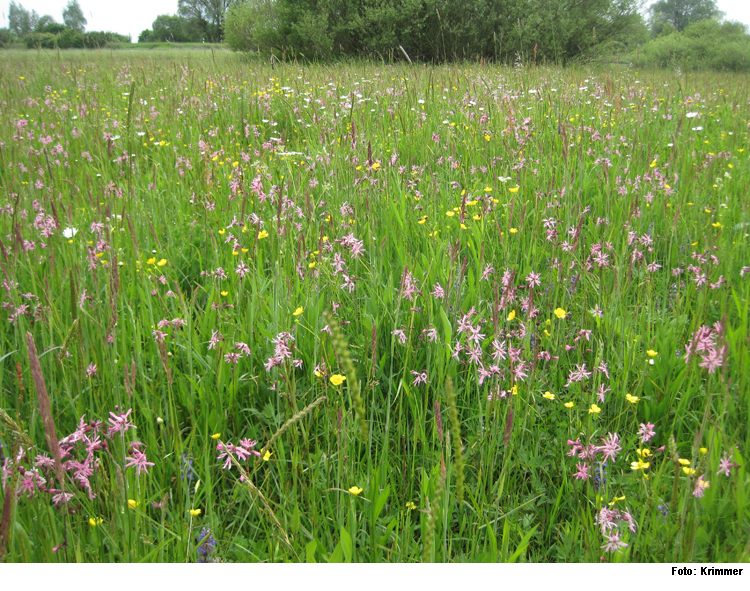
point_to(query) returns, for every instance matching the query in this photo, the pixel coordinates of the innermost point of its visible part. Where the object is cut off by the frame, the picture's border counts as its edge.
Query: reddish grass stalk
(45, 408)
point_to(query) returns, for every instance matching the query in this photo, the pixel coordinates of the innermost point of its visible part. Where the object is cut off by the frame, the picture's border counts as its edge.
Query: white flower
(691, 115)
(69, 232)
(504, 179)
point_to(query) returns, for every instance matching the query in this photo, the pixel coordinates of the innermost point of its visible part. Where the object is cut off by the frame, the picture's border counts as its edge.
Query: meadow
(358, 312)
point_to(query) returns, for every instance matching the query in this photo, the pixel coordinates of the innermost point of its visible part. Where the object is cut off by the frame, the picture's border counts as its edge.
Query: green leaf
(346, 545)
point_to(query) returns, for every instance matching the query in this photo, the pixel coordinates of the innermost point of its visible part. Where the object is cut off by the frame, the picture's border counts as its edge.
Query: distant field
(363, 312)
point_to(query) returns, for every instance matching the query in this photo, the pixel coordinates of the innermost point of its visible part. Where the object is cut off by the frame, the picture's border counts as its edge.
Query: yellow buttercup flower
(684, 462)
(298, 311)
(162, 262)
(267, 455)
(549, 395)
(337, 379)
(595, 409)
(512, 315)
(355, 490)
(94, 521)
(639, 465)
(560, 313)
(132, 504)
(632, 399)
(688, 471)
(224, 293)
(570, 404)
(194, 512)
(151, 261)
(514, 189)
(513, 230)
(262, 234)
(651, 353)
(215, 435)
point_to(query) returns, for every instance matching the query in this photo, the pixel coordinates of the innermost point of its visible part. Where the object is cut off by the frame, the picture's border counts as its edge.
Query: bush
(43, 40)
(5, 38)
(703, 45)
(70, 39)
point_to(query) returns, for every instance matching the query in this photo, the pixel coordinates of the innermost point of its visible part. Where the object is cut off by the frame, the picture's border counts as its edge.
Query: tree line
(44, 31)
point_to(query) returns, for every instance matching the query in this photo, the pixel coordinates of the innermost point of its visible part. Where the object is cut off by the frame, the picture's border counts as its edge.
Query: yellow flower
(512, 315)
(337, 379)
(222, 232)
(595, 409)
(355, 490)
(703, 450)
(376, 165)
(151, 261)
(717, 225)
(450, 214)
(514, 389)
(513, 230)
(688, 471)
(215, 435)
(560, 313)
(298, 311)
(132, 504)
(632, 399)
(684, 462)
(639, 465)
(514, 189)
(194, 512)
(622, 498)
(570, 404)
(94, 521)
(549, 395)
(262, 234)
(224, 293)
(162, 262)
(411, 506)
(651, 353)
(488, 189)
(267, 455)
(644, 453)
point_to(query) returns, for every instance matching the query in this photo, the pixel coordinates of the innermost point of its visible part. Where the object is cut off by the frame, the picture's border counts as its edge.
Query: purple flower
(138, 461)
(725, 465)
(419, 378)
(583, 471)
(610, 446)
(613, 542)
(646, 432)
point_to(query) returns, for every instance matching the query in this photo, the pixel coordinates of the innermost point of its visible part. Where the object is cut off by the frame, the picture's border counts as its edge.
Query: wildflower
(355, 490)
(207, 546)
(337, 379)
(514, 189)
(262, 234)
(725, 465)
(613, 542)
(549, 395)
(582, 473)
(419, 378)
(570, 404)
(632, 399)
(69, 232)
(151, 261)
(560, 313)
(610, 447)
(138, 461)
(91, 370)
(132, 504)
(411, 506)
(512, 315)
(646, 432)
(594, 409)
(639, 465)
(689, 471)
(651, 353)
(700, 486)
(194, 512)
(298, 311)
(94, 521)
(215, 435)
(162, 262)
(267, 455)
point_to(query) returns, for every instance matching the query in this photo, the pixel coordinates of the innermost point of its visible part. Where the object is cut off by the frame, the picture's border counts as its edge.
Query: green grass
(440, 172)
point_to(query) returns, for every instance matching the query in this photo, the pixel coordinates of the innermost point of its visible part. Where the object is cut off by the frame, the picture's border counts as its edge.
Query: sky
(130, 17)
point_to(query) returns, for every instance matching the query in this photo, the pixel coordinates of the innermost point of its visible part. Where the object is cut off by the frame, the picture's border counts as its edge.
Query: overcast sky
(130, 17)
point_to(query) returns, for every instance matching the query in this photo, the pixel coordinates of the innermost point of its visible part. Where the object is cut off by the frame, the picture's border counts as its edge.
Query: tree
(681, 13)
(73, 16)
(208, 14)
(47, 24)
(19, 20)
